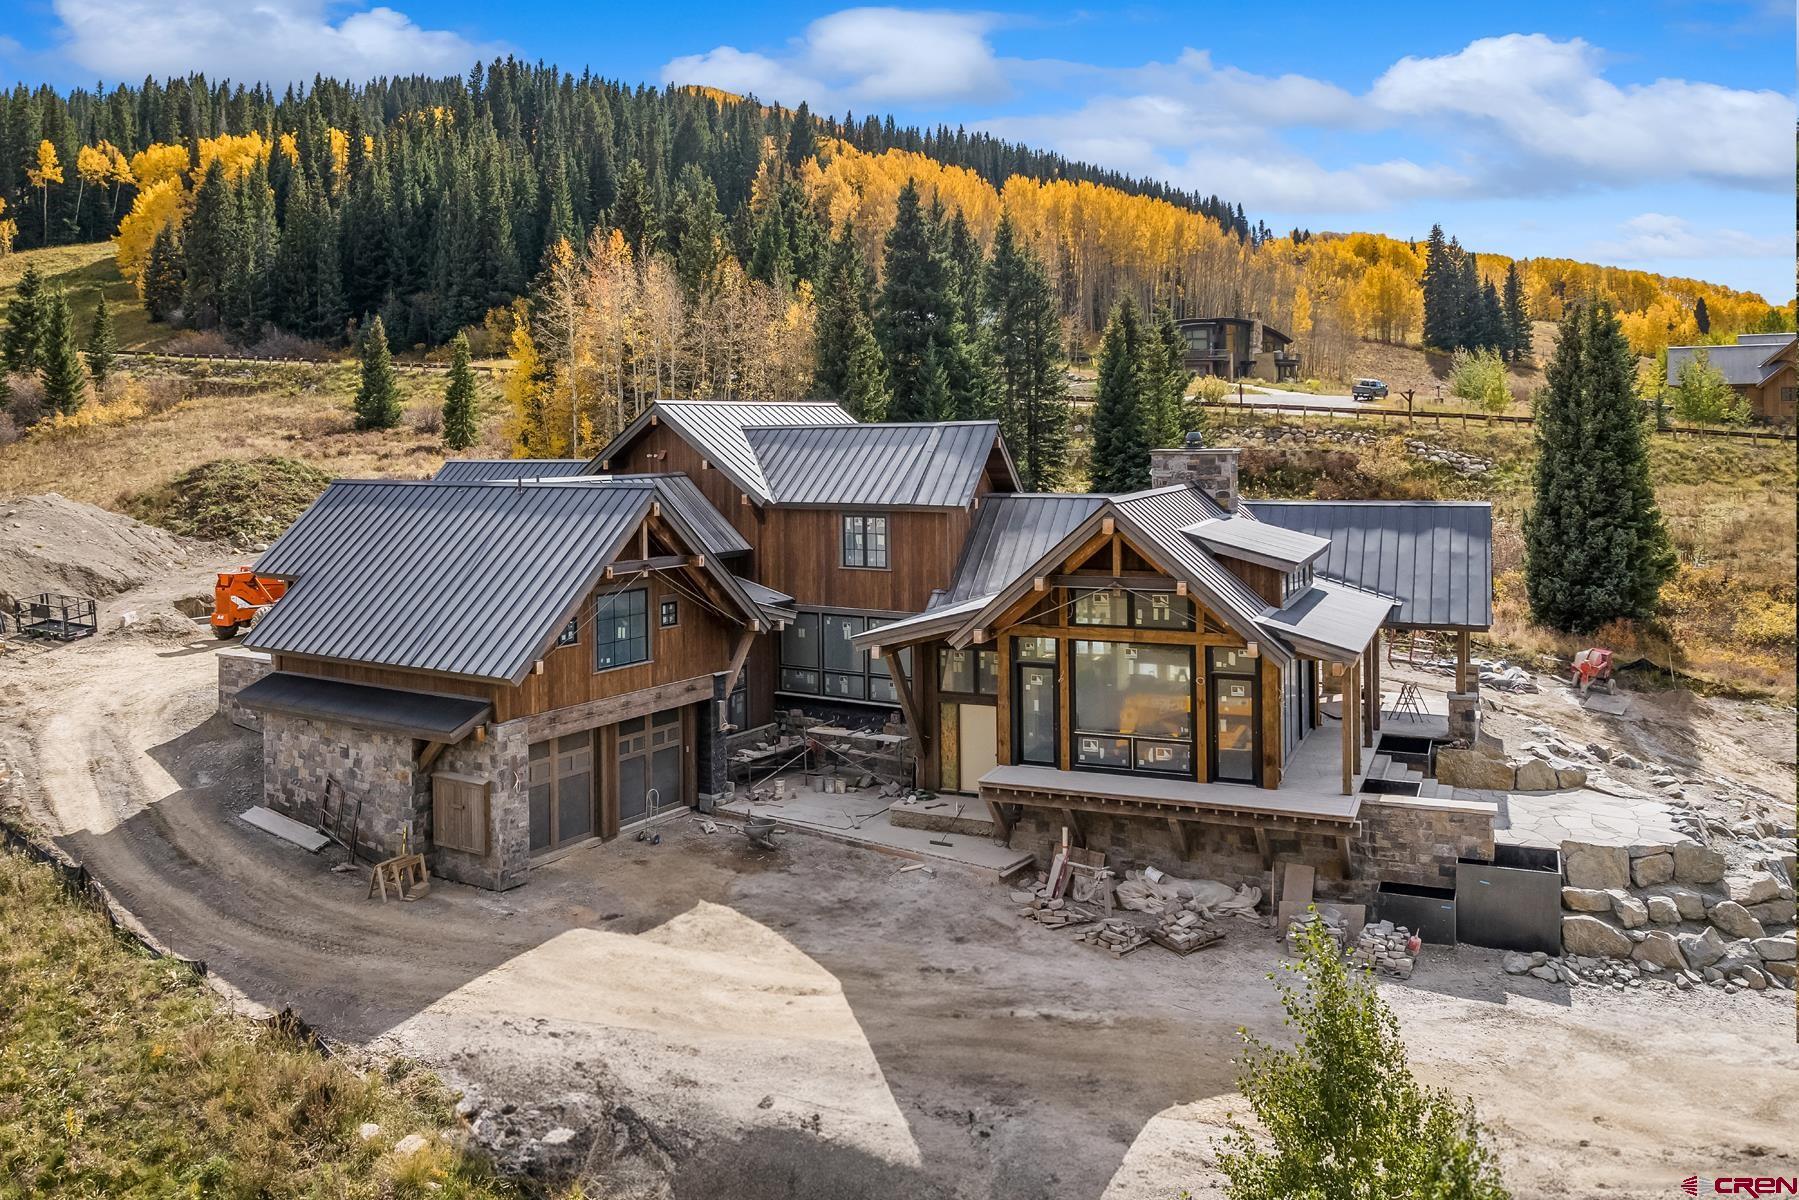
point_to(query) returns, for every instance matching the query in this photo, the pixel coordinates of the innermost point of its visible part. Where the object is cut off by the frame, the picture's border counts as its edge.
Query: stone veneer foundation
(238, 669)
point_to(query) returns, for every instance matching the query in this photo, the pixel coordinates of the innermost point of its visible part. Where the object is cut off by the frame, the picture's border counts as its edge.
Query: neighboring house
(517, 658)
(1760, 366)
(1238, 348)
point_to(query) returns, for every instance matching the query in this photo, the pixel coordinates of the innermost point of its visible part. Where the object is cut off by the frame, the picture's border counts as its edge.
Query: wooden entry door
(561, 791)
(651, 774)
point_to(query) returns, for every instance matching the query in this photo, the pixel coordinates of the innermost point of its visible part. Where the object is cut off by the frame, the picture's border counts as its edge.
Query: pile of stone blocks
(1387, 948)
(1117, 935)
(1679, 910)
(1183, 930)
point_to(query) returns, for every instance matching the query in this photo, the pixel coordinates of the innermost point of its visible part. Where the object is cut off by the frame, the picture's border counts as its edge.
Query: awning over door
(415, 714)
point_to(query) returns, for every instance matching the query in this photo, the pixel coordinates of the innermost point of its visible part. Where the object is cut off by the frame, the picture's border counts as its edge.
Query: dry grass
(218, 411)
(83, 272)
(121, 1075)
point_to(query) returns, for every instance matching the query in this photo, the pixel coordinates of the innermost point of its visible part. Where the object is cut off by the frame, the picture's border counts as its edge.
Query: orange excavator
(239, 597)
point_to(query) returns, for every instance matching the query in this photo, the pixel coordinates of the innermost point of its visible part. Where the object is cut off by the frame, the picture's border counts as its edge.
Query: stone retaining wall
(238, 669)
(1408, 839)
(299, 755)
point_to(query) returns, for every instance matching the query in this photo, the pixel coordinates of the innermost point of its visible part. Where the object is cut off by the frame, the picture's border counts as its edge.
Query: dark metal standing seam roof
(462, 579)
(715, 428)
(1010, 533)
(1434, 556)
(474, 470)
(1163, 515)
(1744, 364)
(934, 465)
(419, 714)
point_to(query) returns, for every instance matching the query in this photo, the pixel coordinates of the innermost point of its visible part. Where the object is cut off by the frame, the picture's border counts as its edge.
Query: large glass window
(1034, 700)
(1235, 700)
(818, 658)
(1147, 610)
(864, 541)
(970, 672)
(1133, 707)
(621, 629)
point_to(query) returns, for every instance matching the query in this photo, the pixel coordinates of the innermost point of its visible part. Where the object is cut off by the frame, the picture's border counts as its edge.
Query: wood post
(1374, 691)
(1347, 708)
(1370, 698)
(1355, 742)
(1461, 661)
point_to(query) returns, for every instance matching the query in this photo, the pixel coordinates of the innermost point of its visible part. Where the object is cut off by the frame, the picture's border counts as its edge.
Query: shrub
(1342, 1114)
(1479, 377)
(1769, 626)
(1701, 394)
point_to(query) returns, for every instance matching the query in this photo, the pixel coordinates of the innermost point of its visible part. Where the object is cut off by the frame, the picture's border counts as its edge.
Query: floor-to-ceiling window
(1133, 707)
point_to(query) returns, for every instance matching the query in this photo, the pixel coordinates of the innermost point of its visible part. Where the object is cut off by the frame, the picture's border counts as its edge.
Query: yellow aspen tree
(118, 173)
(157, 162)
(523, 392)
(92, 165)
(158, 206)
(47, 172)
(9, 230)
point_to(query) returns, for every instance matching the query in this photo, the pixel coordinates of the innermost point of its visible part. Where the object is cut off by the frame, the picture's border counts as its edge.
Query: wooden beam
(1072, 819)
(1347, 709)
(430, 755)
(1266, 850)
(1183, 838)
(662, 562)
(1374, 673)
(1370, 700)
(738, 655)
(902, 686)
(1136, 581)
(1173, 637)
(1000, 822)
(1461, 661)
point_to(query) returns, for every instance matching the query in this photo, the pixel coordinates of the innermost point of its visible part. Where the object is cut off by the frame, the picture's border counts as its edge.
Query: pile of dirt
(238, 502)
(49, 543)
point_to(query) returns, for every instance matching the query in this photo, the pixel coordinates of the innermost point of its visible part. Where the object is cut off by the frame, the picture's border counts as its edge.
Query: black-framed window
(819, 658)
(571, 633)
(621, 629)
(1120, 609)
(1035, 730)
(737, 704)
(668, 613)
(968, 672)
(865, 541)
(1133, 707)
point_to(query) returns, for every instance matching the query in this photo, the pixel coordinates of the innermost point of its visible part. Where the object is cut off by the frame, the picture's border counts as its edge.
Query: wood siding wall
(1265, 582)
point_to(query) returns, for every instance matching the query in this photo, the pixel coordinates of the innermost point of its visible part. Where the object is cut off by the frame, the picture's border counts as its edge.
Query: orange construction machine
(239, 597)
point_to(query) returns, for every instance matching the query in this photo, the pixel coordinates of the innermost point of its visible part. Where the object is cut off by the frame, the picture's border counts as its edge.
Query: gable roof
(465, 579)
(1435, 557)
(1012, 531)
(715, 428)
(1746, 364)
(470, 470)
(923, 465)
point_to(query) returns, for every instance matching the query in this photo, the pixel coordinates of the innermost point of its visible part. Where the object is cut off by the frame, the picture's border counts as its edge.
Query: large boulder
(1753, 888)
(1734, 920)
(1535, 775)
(1651, 869)
(1776, 949)
(1701, 949)
(1772, 912)
(1590, 900)
(1594, 937)
(1690, 903)
(1590, 866)
(1694, 863)
(1473, 769)
(1632, 912)
(1660, 949)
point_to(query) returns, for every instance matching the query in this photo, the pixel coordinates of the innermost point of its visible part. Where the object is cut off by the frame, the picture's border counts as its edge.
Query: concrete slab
(860, 819)
(1547, 819)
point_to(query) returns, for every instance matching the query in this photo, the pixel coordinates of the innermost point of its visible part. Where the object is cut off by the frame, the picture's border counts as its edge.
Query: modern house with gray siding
(517, 658)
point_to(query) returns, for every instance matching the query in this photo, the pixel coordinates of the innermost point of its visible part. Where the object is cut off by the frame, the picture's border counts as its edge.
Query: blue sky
(1655, 134)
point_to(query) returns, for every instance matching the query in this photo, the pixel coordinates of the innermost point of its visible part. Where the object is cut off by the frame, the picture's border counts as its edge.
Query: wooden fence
(1438, 416)
(400, 364)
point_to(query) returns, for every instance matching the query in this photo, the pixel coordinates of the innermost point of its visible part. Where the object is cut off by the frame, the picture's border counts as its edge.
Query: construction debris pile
(1387, 948)
(1118, 935)
(1183, 930)
(1079, 889)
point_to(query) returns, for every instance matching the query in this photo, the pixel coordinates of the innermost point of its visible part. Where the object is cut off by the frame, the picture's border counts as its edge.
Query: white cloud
(279, 41)
(1548, 103)
(1650, 236)
(861, 56)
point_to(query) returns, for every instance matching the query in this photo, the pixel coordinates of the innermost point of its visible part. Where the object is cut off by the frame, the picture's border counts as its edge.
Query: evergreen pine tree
(25, 319)
(101, 343)
(210, 250)
(696, 231)
(459, 398)
(1167, 355)
(1595, 546)
(1120, 423)
(634, 213)
(1468, 323)
(1026, 335)
(934, 396)
(163, 279)
(59, 363)
(1701, 317)
(1491, 323)
(864, 382)
(770, 262)
(1439, 284)
(378, 397)
(1517, 317)
(917, 305)
(847, 364)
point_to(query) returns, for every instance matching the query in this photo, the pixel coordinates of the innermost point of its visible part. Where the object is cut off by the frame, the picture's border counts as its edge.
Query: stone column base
(1464, 716)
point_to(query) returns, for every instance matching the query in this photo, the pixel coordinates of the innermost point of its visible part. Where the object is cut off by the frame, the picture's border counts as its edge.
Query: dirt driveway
(646, 1006)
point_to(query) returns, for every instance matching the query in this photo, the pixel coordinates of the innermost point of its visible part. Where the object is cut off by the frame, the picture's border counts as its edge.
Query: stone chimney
(1212, 468)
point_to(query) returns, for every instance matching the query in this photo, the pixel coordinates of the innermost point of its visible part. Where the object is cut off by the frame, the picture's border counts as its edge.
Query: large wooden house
(519, 657)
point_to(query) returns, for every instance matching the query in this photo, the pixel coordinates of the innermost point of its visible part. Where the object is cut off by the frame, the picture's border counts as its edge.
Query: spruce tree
(634, 213)
(1469, 316)
(1491, 323)
(1120, 424)
(1516, 317)
(378, 397)
(459, 397)
(25, 318)
(102, 343)
(917, 305)
(1166, 356)
(1440, 288)
(847, 358)
(59, 363)
(163, 278)
(210, 250)
(1026, 334)
(696, 231)
(1701, 317)
(1595, 546)
(864, 395)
